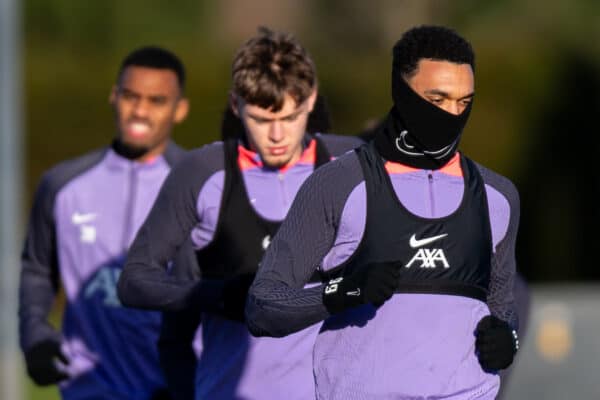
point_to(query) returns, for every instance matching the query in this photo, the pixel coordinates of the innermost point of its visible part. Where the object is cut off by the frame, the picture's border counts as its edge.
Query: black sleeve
(173, 153)
(145, 282)
(39, 271)
(278, 304)
(338, 144)
(501, 298)
(39, 280)
(176, 354)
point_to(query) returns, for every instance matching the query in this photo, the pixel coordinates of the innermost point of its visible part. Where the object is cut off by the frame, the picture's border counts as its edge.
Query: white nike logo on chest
(414, 242)
(82, 218)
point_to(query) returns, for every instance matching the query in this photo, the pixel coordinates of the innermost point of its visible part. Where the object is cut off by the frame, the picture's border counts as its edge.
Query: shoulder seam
(53, 178)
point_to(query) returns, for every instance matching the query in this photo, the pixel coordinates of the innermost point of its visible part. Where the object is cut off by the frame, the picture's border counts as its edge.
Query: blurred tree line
(534, 120)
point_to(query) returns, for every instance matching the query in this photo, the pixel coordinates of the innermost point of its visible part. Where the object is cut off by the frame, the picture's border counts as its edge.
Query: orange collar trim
(248, 159)
(452, 167)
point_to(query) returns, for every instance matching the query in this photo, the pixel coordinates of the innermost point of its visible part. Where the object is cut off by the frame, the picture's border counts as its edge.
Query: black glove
(372, 283)
(496, 343)
(235, 293)
(40, 360)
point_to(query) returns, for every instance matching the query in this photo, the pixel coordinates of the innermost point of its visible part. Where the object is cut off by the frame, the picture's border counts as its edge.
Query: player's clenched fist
(496, 343)
(371, 283)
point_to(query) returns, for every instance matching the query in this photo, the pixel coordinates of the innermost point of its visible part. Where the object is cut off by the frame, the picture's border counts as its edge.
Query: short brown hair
(271, 65)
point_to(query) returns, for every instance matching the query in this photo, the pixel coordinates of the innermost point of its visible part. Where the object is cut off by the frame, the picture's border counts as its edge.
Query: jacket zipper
(431, 197)
(129, 209)
(281, 179)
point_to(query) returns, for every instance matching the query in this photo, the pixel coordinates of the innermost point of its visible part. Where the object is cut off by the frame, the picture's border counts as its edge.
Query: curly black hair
(155, 57)
(429, 42)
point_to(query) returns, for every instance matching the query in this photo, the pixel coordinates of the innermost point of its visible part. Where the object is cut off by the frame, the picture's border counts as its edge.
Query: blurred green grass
(33, 392)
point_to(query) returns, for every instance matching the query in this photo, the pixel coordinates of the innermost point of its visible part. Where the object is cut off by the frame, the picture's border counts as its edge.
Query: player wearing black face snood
(448, 222)
(418, 133)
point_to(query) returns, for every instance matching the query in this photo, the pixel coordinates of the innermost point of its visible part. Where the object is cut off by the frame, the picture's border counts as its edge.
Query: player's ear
(181, 110)
(234, 103)
(312, 98)
(112, 97)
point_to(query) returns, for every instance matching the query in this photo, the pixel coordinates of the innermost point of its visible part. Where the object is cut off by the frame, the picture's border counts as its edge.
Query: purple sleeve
(145, 281)
(278, 304)
(501, 299)
(39, 280)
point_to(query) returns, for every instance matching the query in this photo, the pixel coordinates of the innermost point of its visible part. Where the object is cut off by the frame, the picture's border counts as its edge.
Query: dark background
(534, 118)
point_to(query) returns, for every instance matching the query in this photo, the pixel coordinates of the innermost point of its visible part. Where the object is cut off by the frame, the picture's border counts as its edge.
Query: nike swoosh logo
(79, 219)
(354, 293)
(414, 242)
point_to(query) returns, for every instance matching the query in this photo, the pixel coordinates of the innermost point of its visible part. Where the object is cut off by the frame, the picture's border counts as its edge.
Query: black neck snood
(418, 133)
(127, 151)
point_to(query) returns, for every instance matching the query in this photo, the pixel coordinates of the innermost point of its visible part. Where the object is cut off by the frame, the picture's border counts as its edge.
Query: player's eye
(159, 100)
(291, 118)
(260, 120)
(127, 95)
